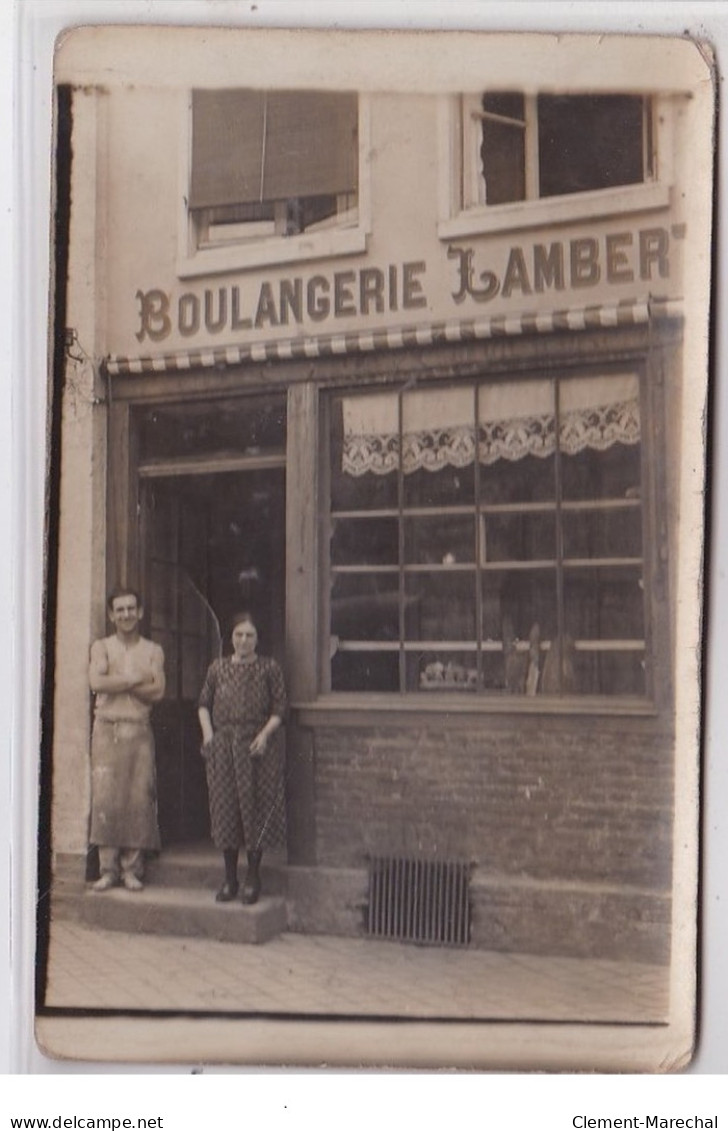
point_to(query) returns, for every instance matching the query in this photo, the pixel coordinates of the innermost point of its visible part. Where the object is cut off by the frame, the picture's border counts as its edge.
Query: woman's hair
(241, 617)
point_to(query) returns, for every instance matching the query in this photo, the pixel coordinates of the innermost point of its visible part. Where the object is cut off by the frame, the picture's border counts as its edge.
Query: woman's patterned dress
(247, 803)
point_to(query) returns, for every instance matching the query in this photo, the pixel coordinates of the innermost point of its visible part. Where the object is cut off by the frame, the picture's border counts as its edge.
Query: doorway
(213, 543)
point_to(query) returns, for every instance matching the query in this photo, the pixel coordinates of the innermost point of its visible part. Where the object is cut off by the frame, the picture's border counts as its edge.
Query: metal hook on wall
(71, 341)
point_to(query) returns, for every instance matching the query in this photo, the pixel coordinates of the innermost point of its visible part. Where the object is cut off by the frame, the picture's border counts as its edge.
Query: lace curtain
(516, 419)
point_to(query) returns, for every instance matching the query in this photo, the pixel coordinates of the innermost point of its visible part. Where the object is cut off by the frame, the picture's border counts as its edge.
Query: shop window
(274, 176)
(576, 155)
(488, 539)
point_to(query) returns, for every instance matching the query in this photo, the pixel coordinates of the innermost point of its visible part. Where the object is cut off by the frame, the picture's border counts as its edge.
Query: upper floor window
(507, 150)
(536, 146)
(274, 176)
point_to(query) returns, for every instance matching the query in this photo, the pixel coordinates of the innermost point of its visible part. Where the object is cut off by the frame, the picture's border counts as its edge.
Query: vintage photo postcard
(376, 490)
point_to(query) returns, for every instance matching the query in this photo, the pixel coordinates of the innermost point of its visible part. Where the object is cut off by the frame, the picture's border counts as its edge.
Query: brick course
(572, 802)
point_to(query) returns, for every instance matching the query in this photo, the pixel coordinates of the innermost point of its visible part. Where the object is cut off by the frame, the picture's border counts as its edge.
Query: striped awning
(627, 313)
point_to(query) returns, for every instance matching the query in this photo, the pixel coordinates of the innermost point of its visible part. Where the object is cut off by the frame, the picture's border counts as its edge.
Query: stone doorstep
(574, 920)
(181, 912)
(204, 871)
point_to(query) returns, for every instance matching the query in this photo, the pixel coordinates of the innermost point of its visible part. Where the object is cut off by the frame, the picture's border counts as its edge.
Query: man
(126, 673)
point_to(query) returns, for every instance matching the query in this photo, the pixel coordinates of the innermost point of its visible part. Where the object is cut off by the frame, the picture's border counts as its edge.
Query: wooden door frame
(300, 464)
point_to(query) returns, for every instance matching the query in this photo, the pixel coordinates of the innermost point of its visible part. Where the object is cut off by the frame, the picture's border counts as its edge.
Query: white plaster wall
(82, 490)
(146, 178)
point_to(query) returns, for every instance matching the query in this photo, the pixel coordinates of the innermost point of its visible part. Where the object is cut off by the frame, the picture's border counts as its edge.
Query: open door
(214, 544)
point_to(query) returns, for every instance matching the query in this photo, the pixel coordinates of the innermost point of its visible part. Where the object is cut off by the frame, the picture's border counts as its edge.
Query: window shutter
(227, 147)
(249, 146)
(311, 145)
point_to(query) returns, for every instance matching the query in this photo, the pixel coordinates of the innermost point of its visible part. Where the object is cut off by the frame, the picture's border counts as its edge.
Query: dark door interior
(214, 544)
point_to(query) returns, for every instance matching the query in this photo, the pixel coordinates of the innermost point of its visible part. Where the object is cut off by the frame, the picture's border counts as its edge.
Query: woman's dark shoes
(251, 888)
(227, 892)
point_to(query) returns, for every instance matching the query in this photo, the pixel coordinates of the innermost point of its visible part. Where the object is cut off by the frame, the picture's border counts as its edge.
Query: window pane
(613, 533)
(163, 528)
(440, 606)
(518, 537)
(438, 437)
(193, 551)
(527, 480)
(240, 213)
(365, 671)
(614, 474)
(194, 666)
(603, 603)
(365, 606)
(493, 672)
(303, 211)
(599, 437)
(513, 601)
(589, 142)
(449, 487)
(443, 539)
(195, 614)
(364, 541)
(609, 673)
(241, 426)
(162, 598)
(364, 452)
(503, 149)
(517, 441)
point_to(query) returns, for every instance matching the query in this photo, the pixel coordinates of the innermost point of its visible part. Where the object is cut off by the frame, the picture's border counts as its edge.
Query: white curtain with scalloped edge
(515, 419)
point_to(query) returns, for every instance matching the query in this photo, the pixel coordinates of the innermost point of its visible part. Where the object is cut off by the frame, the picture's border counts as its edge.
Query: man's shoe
(132, 883)
(105, 882)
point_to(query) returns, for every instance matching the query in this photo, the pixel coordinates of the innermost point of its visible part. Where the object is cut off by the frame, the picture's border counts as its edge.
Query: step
(196, 866)
(183, 912)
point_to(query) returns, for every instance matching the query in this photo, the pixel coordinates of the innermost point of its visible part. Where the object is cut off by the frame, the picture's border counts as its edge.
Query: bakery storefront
(403, 373)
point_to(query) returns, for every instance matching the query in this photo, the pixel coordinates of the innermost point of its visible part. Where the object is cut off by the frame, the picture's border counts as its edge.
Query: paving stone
(307, 975)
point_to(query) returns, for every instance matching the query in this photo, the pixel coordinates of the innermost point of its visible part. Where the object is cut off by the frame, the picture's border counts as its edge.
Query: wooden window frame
(462, 207)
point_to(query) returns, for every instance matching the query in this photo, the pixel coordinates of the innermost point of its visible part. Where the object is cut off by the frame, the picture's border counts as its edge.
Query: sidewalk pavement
(311, 975)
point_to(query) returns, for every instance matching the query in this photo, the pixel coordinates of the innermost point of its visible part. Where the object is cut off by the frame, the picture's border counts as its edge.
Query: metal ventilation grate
(422, 901)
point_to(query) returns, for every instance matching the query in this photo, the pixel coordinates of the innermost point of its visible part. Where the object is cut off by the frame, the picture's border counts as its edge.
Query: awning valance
(628, 312)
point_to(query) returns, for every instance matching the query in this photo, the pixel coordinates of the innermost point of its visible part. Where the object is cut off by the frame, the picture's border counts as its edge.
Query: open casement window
(530, 147)
(488, 539)
(270, 165)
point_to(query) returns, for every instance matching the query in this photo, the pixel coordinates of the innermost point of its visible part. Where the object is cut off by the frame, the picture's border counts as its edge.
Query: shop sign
(616, 258)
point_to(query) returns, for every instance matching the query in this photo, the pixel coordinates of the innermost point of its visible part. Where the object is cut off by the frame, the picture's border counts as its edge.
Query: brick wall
(555, 800)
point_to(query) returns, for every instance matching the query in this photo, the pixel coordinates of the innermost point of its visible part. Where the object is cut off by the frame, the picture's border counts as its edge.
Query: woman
(242, 704)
